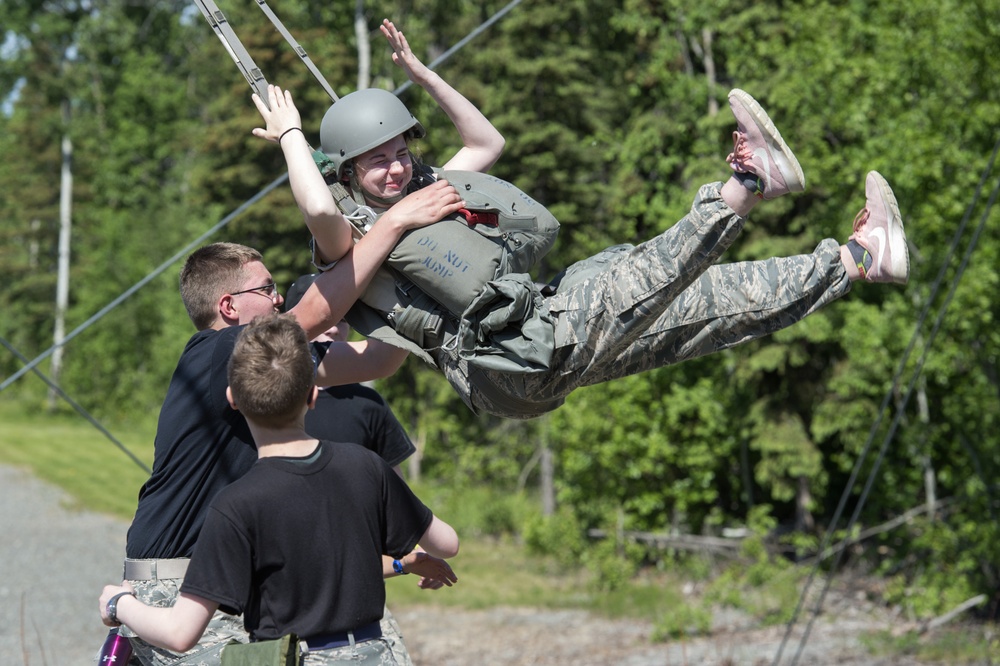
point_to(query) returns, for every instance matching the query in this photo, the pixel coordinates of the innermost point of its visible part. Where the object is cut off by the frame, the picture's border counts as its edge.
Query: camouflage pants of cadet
(632, 309)
(394, 637)
(222, 629)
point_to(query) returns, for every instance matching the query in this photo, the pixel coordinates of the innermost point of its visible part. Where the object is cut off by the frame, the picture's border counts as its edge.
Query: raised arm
(482, 143)
(325, 221)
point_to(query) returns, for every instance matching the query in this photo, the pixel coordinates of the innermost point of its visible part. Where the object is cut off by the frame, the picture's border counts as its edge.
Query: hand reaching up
(282, 117)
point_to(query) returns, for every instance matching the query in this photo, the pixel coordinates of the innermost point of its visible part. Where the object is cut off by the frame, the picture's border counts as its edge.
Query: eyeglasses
(269, 290)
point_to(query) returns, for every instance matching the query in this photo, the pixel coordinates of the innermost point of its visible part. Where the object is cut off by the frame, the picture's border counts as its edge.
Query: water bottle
(117, 650)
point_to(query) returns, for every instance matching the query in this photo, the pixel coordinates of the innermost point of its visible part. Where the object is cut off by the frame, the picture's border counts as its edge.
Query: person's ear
(313, 396)
(227, 308)
(229, 397)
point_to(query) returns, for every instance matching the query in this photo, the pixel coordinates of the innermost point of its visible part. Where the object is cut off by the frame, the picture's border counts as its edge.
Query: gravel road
(54, 561)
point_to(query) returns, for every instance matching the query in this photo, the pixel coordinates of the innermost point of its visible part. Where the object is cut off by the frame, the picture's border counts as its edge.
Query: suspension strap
(298, 48)
(363, 216)
(234, 47)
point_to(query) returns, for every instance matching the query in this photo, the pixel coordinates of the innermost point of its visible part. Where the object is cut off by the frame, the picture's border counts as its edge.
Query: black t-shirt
(296, 544)
(358, 414)
(202, 445)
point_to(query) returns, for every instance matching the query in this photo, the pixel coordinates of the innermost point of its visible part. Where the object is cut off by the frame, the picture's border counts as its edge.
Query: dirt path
(54, 561)
(523, 637)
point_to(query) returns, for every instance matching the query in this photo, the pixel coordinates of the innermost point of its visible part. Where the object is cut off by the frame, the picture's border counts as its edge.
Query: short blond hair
(272, 372)
(210, 272)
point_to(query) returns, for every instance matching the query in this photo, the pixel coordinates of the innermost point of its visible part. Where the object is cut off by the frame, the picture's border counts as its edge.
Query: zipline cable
(896, 379)
(78, 407)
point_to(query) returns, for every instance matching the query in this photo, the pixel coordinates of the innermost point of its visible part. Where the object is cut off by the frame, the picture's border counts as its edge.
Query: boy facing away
(294, 545)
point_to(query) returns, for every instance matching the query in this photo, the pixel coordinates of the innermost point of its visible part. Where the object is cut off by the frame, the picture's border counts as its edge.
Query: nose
(398, 167)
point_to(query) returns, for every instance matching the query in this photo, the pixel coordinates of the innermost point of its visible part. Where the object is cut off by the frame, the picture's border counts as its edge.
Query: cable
(79, 408)
(867, 446)
(141, 283)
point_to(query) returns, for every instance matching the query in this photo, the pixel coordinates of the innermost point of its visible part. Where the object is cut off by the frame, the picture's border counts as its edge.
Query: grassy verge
(66, 450)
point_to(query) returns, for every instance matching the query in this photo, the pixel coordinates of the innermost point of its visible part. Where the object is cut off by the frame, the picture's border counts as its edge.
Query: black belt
(329, 641)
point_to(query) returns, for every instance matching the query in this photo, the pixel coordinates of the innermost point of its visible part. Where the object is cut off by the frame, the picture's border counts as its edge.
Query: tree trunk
(930, 481)
(62, 280)
(364, 46)
(803, 516)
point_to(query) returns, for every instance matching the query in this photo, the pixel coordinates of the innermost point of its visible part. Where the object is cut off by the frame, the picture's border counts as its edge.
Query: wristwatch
(112, 608)
(397, 566)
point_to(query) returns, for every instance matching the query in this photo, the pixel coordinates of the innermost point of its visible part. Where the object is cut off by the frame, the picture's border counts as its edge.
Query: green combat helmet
(361, 121)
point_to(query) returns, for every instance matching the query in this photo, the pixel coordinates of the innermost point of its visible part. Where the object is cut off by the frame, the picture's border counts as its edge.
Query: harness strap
(352, 210)
(298, 48)
(224, 31)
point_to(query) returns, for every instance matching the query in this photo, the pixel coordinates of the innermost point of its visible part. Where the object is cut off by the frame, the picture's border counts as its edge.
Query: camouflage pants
(632, 309)
(222, 629)
(394, 638)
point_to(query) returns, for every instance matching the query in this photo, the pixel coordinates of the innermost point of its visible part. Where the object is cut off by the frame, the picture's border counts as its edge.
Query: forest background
(614, 113)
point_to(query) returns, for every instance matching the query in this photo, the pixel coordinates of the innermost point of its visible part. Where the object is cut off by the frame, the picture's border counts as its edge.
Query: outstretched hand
(425, 206)
(433, 571)
(402, 55)
(281, 117)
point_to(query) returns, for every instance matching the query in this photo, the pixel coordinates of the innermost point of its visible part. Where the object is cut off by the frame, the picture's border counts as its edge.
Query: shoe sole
(784, 159)
(897, 236)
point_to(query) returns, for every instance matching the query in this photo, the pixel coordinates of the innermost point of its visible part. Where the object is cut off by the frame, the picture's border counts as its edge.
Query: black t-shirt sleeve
(221, 564)
(395, 444)
(407, 518)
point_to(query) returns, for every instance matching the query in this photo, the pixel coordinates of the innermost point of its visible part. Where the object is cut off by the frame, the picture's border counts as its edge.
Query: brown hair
(271, 371)
(209, 273)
